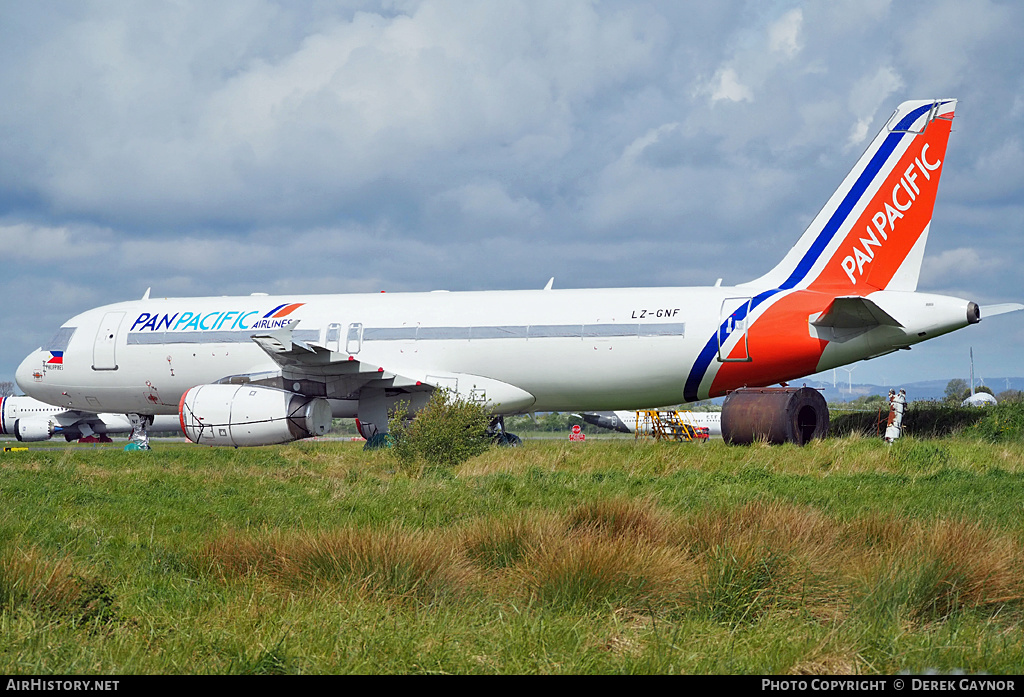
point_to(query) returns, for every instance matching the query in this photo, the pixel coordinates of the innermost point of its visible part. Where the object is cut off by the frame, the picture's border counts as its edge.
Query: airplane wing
(322, 372)
(85, 422)
(300, 360)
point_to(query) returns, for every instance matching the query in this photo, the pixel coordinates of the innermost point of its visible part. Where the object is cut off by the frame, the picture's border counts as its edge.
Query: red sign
(577, 433)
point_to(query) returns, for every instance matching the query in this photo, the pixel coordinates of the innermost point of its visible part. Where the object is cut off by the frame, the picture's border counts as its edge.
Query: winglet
(282, 340)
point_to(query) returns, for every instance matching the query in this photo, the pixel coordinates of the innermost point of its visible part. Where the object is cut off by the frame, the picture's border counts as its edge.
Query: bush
(1003, 422)
(445, 433)
(921, 420)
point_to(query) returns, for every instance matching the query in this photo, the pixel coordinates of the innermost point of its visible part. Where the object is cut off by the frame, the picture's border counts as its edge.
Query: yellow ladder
(667, 424)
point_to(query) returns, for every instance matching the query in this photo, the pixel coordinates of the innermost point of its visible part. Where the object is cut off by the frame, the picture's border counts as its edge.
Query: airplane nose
(24, 375)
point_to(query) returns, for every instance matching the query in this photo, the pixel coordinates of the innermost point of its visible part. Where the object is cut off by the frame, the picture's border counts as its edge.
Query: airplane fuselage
(558, 350)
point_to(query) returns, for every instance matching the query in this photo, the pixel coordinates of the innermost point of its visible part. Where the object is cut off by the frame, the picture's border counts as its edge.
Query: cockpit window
(61, 339)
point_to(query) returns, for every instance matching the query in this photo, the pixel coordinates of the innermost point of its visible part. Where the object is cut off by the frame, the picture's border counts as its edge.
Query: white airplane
(625, 421)
(256, 370)
(30, 420)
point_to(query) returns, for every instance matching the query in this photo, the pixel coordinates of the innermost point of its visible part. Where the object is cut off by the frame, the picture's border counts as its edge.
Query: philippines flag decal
(56, 358)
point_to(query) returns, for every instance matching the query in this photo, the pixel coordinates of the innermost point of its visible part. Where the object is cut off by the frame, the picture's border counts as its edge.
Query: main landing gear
(496, 430)
(139, 439)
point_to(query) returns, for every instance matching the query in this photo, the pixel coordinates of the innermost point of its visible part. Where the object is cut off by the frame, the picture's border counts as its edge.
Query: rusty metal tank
(774, 415)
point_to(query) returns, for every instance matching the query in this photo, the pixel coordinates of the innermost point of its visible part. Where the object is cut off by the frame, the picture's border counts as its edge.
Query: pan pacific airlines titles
(214, 321)
(883, 222)
(258, 370)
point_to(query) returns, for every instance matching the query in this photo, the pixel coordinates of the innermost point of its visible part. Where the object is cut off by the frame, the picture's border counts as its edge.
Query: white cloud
(287, 133)
(944, 42)
(957, 266)
(41, 244)
(489, 200)
(784, 35)
(759, 58)
(726, 85)
(996, 174)
(865, 97)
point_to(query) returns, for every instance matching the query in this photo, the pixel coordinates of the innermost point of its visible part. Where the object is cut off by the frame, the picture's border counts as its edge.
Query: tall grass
(732, 566)
(391, 561)
(53, 588)
(933, 573)
(845, 556)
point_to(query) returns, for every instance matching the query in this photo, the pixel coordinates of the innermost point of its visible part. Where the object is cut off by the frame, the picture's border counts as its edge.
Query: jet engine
(33, 430)
(774, 415)
(245, 415)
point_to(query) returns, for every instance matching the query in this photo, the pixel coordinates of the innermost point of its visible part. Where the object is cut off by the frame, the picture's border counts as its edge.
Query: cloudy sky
(225, 148)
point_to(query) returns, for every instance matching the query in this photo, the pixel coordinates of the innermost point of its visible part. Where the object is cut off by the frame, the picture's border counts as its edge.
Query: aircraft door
(334, 337)
(104, 350)
(8, 415)
(354, 339)
(733, 321)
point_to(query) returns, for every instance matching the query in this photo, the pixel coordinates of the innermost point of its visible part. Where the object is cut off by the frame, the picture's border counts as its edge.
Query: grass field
(847, 556)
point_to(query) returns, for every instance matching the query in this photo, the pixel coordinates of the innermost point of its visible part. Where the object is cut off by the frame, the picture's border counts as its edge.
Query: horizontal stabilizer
(854, 312)
(1001, 308)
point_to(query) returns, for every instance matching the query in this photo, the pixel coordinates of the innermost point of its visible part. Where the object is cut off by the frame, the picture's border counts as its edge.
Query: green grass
(847, 556)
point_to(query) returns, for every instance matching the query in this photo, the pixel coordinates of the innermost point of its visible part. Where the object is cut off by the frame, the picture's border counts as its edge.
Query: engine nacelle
(33, 430)
(245, 415)
(775, 415)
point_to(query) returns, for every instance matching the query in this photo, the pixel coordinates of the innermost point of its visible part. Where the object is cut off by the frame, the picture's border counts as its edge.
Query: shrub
(1003, 422)
(445, 433)
(921, 420)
